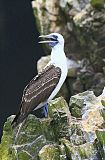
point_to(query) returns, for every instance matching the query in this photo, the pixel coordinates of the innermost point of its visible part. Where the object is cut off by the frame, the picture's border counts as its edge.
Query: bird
(47, 83)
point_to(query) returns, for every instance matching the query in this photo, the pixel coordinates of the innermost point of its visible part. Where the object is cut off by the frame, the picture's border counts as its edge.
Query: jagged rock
(100, 133)
(89, 107)
(23, 143)
(42, 62)
(51, 152)
(101, 136)
(92, 113)
(7, 139)
(73, 68)
(98, 3)
(27, 140)
(59, 111)
(84, 151)
(90, 21)
(78, 103)
(77, 86)
(103, 102)
(82, 22)
(64, 92)
(60, 136)
(98, 83)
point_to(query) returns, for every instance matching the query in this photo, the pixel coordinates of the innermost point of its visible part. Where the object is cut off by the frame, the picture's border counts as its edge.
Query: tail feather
(17, 120)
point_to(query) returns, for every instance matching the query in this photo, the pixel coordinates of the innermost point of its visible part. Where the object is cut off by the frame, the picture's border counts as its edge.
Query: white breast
(63, 66)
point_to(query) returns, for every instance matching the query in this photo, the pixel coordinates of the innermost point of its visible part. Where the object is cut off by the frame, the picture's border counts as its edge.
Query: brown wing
(39, 89)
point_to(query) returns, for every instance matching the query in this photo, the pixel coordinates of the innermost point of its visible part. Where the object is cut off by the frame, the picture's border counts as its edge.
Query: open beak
(47, 39)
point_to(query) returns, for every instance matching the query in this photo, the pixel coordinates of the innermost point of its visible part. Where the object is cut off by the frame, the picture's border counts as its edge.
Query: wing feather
(38, 91)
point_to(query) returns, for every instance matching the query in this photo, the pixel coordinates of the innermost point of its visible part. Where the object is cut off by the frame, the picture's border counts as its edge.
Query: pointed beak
(48, 39)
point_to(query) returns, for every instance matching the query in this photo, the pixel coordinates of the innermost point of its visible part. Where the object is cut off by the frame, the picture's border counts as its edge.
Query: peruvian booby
(44, 87)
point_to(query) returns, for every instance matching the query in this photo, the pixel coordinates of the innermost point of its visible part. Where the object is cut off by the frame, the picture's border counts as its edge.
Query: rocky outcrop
(70, 132)
(26, 141)
(81, 23)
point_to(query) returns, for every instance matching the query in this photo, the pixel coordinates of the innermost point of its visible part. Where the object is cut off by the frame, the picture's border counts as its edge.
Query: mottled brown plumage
(37, 91)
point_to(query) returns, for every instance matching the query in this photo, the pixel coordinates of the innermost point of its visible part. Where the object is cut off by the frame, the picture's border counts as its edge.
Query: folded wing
(38, 91)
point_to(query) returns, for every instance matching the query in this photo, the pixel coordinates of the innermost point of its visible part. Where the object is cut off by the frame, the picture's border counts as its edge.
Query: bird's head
(52, 39)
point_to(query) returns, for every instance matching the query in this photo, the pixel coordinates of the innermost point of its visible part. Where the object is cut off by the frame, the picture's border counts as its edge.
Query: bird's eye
(55, 37)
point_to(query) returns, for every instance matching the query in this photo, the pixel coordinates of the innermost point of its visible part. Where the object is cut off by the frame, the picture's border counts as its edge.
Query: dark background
(19, 52)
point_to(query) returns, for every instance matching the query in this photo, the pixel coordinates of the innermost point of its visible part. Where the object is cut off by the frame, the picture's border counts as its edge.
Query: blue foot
(45, 110)
(41, 112)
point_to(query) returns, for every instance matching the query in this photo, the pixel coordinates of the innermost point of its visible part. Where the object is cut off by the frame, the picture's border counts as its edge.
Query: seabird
(44, 87)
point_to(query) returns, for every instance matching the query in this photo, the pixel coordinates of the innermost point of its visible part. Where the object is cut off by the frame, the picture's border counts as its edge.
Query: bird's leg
(45, 110)
(41, 112)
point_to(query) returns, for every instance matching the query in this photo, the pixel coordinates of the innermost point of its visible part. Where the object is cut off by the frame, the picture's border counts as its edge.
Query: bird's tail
(17, 120)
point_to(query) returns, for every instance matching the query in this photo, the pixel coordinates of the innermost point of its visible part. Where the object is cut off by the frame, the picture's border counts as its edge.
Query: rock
(74, 86)
(100, 133)
(88, 151)
(77, 134)
(7, 140)
(84, 151)
(73, 67)
(58, 109)
(98, 83)
(25, 142)
(89, 108)
(77, 86)
(103, 102)
(64, 92)
(98, 3)
(42, 62)
(78, 102)
(51, 152)
(60, 136)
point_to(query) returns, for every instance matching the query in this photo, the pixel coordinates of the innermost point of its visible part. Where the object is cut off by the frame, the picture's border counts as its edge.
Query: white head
(53, 39)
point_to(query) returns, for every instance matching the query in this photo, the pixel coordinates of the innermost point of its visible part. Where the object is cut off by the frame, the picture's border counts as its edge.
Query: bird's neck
(58, 56)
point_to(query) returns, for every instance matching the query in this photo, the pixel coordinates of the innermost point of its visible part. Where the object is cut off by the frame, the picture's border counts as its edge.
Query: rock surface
(26, 141)
(63, 135)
